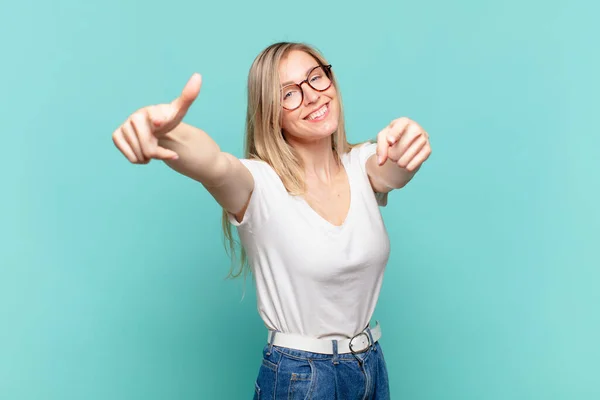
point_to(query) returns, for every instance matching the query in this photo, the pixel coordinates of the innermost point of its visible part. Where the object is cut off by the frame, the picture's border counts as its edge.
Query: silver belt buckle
(350, 345)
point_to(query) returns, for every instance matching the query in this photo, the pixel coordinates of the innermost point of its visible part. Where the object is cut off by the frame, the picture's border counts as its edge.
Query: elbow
(217, 170)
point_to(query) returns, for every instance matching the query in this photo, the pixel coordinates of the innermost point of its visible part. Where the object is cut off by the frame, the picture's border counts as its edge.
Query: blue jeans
(293, 374)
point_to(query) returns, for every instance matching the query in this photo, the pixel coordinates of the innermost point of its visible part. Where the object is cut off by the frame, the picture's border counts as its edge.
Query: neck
(318, 158)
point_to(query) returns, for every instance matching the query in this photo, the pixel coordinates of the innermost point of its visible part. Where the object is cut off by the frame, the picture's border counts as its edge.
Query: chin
(325, 129)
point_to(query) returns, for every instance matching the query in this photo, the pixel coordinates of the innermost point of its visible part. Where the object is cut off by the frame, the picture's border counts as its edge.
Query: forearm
(200, 157)
(388, 176)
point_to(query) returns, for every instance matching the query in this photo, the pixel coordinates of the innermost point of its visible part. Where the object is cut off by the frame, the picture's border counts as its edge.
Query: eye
(289, 94)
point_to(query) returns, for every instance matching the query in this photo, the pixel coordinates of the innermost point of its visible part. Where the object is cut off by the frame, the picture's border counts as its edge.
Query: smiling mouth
(318, 115)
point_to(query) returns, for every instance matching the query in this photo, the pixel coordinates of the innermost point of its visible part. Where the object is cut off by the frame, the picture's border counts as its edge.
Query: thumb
(162, 153)
(188, 95)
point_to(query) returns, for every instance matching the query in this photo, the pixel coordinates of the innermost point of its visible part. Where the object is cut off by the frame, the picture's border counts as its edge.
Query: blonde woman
(305, 204)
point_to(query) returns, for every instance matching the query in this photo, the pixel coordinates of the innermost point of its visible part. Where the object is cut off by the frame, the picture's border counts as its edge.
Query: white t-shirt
(314, 278)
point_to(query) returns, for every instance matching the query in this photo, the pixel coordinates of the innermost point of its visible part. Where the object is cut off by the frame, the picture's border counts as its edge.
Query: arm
(402, 147)
(156, 132)
(389, 176)
(201, 159)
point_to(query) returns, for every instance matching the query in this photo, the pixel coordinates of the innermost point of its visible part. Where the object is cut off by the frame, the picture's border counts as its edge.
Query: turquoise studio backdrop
(112, 277)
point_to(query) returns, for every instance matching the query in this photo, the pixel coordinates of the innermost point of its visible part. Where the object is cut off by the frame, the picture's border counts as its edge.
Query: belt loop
(271, 340)
(371, 337)
(335, 352)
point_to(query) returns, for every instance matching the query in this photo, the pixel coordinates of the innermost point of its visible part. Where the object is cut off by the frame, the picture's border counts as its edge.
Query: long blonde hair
(264, 140)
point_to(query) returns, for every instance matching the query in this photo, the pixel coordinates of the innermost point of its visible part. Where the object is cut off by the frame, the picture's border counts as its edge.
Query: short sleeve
(365, 151)
(267, 185)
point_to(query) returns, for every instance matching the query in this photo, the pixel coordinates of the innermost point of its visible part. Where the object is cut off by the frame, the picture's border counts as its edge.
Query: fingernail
(379, 159)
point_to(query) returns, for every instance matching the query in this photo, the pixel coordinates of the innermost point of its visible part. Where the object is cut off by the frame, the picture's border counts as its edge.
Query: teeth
(319, 113)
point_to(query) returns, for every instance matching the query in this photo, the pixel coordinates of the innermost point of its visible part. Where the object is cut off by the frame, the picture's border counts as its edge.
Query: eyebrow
(307, 71)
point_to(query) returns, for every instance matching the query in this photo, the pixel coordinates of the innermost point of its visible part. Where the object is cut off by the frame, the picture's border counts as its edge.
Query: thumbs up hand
(137, 138)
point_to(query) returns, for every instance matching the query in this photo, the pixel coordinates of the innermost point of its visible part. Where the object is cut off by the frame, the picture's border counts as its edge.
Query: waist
(359, 343)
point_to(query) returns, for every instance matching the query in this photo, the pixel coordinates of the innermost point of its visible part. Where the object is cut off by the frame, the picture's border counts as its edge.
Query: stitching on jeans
(276, 378)
(313, 375)
(272, 366)
(284, 354)
(341, 359)
(312, 378)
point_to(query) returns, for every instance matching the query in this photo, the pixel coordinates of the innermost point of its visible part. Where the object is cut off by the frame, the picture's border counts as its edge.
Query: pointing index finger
(396, 130)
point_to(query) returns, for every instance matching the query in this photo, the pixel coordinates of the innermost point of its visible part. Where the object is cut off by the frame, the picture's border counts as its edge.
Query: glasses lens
(291, 96)
(318, 79)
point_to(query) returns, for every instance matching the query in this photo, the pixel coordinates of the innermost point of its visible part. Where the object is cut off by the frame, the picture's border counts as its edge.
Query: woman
(305, 205)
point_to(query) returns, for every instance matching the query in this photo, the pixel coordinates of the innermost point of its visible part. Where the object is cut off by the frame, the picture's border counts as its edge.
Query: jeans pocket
(266, 380)
(269, 364)
(302, 373)
(256, 391)
(300, 386)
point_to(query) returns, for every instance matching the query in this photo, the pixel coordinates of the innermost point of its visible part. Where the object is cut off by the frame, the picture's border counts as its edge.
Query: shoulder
(255, 163)
(358, 154)
(263, 173)
(266, 195)
(257, 166)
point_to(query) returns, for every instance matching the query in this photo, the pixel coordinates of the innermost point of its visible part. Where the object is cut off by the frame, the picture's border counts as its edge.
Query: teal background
(112, 275)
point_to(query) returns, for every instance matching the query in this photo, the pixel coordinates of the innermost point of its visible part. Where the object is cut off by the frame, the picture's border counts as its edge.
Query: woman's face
(318, 114)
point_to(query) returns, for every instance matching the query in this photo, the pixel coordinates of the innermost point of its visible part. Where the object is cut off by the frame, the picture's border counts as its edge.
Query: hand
(138, 137)
(404, 142)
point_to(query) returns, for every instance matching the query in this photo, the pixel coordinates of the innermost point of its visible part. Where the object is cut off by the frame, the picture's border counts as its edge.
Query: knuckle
(400, 121)
(146, 151)
(119, 140)
(137, 118)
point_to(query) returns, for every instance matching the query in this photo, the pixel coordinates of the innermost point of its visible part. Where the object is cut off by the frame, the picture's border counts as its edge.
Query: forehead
(295, 66)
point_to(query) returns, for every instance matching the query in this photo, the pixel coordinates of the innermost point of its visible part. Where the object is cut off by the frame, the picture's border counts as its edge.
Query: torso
(318, 259)
(331, 202)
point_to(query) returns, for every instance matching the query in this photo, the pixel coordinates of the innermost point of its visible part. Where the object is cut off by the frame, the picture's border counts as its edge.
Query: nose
(310, 95)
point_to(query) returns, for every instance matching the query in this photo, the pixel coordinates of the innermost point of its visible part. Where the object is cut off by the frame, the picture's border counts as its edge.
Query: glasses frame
(326, 69)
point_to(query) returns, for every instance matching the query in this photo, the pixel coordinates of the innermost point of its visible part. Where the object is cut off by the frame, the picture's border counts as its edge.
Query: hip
(287, 373)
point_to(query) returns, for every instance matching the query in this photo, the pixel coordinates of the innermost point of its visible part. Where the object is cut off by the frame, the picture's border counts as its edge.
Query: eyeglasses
(319, 79)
